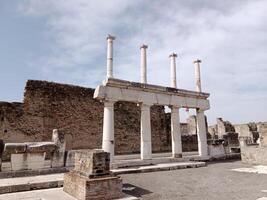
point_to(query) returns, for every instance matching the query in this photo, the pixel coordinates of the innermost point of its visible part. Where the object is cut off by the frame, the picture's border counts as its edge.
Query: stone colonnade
(146, 147)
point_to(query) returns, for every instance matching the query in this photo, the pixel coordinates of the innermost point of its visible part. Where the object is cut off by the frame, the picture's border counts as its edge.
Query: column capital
(197, 61)
(145, 106)
(143, 46)
(109, 103)
(173, 55)
(110, 37)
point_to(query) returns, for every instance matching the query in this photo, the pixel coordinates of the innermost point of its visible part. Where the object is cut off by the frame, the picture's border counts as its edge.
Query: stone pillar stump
(91, 178)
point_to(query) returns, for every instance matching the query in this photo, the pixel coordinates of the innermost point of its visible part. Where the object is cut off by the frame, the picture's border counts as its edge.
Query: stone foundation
(91, 178)
(83, 188)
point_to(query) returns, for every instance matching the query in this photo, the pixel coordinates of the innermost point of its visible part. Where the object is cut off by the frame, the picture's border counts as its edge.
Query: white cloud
(229, 37)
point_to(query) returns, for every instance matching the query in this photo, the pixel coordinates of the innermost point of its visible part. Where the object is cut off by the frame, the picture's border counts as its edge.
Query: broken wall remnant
(255, 152)
(224, 127)
(32, 155)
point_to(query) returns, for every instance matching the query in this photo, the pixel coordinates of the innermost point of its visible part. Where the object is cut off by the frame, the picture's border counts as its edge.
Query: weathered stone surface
(83, 188)
(91, 178)
(92, 163)
(12, 148)
(48, 105)
(262, 129)
(39, 147)
(192, 125)
(58, 156)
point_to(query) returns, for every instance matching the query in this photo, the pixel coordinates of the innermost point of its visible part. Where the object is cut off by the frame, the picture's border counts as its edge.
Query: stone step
(24, 173)
(19, 184)
(49, 194)
(158, 167)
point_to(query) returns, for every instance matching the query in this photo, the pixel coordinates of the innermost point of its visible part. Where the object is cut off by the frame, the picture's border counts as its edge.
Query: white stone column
(202, 134)
(173, 70)
(110, 56)
(146, 148)
(108, 129)
(143, 64)
(176, 133)
(197, 75)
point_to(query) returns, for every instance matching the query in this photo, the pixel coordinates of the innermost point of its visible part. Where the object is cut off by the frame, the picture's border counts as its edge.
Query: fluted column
(108, 129)
(197, 75)
(202, 133)
(146, 149)
(110, 39)
(143, 64)
(173, 70)
(176, 133)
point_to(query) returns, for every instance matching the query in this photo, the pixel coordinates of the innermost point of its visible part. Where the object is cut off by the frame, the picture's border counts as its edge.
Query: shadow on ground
(134, 190)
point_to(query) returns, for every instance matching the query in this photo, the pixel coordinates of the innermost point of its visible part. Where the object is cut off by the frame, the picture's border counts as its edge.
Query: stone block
(19, 161)
(40, 147)
(83, 188)
(70, 158)
(26, 161)
(6, 166)
(92, 163)
(14, 148)
(35, 160)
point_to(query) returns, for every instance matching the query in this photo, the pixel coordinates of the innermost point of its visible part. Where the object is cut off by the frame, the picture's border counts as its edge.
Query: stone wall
(223, 128)
(48, 105)
(255, 153)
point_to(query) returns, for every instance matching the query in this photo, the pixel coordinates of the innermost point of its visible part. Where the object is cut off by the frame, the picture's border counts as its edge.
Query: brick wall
(50, 105)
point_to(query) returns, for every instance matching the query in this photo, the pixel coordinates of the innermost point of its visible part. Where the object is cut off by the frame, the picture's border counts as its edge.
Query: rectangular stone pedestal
(24, 161)
(83, 188)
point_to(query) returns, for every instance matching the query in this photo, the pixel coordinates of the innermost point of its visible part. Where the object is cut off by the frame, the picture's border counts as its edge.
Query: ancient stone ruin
(33, 155)
(91, 178)
(147, 95)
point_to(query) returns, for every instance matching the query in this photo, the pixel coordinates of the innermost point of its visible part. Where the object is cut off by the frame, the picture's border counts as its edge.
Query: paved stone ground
(215, 182)
(47, 194)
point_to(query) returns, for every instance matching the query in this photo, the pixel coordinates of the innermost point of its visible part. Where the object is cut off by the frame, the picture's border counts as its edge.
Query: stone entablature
(121, 90)
(147, 95)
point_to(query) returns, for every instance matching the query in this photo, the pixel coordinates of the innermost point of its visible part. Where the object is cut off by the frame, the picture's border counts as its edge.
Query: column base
(177, 155)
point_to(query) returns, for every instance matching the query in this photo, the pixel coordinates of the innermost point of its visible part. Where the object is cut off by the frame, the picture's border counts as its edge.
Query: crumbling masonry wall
(48, 106)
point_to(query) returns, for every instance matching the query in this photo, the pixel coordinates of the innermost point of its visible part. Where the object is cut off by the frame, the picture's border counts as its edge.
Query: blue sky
(64, 41)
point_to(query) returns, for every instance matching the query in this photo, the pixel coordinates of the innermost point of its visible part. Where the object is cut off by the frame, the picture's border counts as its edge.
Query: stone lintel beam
(154, 97)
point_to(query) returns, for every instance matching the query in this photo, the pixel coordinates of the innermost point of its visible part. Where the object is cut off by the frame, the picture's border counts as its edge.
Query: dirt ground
(216, 181)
